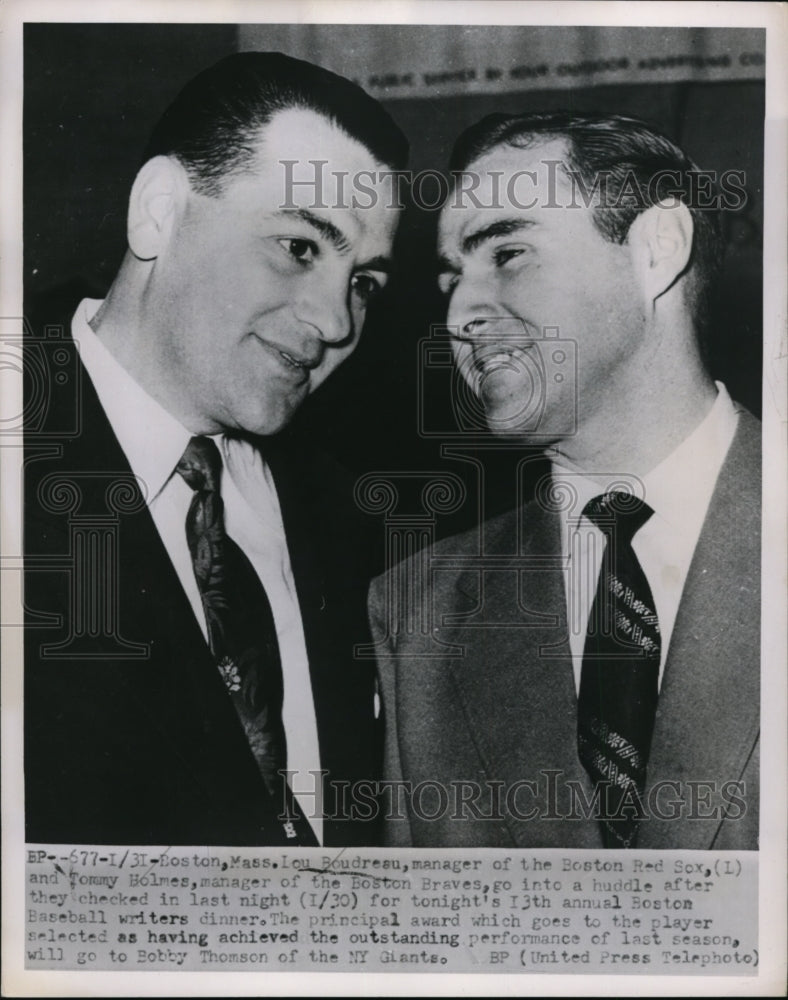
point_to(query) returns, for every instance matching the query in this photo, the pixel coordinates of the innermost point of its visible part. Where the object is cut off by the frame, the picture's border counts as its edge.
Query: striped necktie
(618, 686)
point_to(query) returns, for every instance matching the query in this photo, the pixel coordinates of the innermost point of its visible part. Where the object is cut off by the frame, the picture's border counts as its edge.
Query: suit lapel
(708, 715)
(182, 703)
(516, 681)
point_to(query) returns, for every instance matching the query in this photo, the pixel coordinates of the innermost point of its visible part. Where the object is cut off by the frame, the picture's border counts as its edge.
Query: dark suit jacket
(130, 736)
(497, 701)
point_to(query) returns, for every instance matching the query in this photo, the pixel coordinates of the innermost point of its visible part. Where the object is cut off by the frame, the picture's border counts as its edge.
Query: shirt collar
(151, 437)
(679, 488)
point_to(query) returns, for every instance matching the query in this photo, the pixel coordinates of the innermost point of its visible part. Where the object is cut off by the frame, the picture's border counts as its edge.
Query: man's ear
(155, 195)
(661, 242)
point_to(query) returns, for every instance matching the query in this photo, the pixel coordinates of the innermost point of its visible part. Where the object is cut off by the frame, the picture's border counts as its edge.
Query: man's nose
(325, 305)
(472, 309)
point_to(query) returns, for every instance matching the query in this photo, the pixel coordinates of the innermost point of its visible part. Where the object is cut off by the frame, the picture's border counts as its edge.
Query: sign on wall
(402, 61)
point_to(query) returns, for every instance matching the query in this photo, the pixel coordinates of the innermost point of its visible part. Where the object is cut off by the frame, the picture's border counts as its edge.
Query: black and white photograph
(394, 506)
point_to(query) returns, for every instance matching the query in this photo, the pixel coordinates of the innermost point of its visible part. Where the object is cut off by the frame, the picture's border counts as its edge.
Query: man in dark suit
(195, 583)
(591, 674)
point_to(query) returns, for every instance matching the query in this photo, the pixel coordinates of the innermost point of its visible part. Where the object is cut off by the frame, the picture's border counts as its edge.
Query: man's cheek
(460, 353)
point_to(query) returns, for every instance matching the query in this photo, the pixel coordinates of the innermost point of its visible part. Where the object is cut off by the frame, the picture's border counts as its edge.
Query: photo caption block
(541, 911)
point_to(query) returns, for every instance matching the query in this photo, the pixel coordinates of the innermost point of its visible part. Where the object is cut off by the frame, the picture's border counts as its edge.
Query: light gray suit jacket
(485, 694)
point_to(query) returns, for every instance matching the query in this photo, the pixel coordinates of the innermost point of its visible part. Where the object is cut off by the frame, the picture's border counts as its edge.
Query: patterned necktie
(618, 686)
(241, 630)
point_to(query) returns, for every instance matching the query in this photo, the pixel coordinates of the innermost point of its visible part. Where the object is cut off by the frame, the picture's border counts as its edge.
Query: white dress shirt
(153, 442)
(678, 490)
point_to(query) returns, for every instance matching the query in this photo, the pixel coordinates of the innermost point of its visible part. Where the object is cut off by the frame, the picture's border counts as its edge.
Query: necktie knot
(618, 511)
(201, 464)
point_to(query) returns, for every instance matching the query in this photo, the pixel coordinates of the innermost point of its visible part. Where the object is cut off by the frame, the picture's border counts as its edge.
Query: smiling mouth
(303, 366)
(506, 356)
(298, 365)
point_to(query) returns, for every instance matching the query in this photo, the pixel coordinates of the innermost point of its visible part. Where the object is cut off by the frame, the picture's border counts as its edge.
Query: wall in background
(92, 94)
(402, 61)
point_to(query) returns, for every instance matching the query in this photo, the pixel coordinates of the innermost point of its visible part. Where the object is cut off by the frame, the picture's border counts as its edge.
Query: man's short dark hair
(641, 167)
(212, 124)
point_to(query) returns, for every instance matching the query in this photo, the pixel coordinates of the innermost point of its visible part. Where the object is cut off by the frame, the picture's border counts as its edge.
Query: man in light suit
(583, 683)
(196, 581)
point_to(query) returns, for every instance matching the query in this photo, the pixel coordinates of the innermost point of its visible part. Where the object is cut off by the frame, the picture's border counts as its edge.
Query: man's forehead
(538, 151)
(300, 157)
(304, 163)
(503, 162)
(305, 134)
(505, 181)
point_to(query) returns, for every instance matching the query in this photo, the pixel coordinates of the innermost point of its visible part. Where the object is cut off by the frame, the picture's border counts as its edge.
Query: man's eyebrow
(379, 263)
(503, 227)
(446, 265)
(327, 229)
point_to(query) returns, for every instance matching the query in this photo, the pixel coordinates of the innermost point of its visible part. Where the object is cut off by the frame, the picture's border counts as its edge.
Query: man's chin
(269, 423)
(511, 419)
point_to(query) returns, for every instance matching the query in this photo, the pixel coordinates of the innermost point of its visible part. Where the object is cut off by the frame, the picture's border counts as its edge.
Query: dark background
(93, 92)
